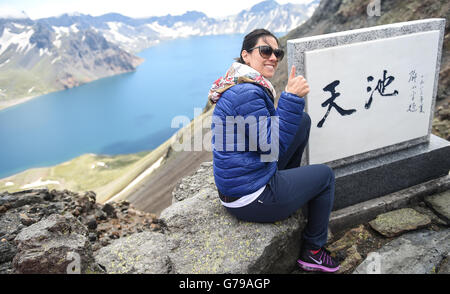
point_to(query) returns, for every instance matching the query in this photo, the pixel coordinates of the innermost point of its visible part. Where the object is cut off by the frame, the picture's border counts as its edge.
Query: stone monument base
(372, 178)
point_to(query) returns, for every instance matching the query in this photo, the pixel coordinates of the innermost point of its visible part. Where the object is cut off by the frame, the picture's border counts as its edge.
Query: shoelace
(326, 255)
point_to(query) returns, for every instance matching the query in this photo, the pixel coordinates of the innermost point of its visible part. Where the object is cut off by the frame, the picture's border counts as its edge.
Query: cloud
(7, 11)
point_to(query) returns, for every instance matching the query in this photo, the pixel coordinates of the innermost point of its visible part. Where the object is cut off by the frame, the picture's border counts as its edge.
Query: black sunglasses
(266, 51)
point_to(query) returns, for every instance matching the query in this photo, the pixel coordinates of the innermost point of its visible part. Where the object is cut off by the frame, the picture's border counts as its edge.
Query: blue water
(123, 114)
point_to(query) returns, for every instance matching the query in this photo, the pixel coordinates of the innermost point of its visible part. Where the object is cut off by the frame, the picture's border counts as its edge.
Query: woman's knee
(331, 175)
(331, 172)
(328, 182)
(327, 173)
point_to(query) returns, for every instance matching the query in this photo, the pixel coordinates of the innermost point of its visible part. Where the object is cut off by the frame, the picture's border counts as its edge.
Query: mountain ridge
(59, 52)
(36, 59)
(136, 34)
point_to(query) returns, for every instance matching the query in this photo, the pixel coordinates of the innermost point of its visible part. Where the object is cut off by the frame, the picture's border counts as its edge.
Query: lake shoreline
(13, 102)
(10, 103)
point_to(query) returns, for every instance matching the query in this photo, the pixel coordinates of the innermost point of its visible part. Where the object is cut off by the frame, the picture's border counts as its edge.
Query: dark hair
(251, 39)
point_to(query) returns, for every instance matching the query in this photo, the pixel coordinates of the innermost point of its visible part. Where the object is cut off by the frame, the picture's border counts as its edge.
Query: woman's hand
(297, 85)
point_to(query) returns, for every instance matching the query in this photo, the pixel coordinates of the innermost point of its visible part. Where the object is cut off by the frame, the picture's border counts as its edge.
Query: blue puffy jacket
(238, 171)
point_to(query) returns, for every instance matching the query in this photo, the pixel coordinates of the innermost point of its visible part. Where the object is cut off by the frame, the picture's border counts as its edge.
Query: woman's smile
(265, 66)
(270, 66)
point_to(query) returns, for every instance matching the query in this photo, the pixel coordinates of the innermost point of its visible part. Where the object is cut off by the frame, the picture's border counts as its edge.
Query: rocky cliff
(37, 58)
(40, 228)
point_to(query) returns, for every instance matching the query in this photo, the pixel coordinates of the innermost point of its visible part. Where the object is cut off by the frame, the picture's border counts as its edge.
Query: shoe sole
(315, 267)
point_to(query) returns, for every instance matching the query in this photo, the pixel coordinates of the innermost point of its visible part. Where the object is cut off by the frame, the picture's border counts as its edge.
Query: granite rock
(52, 245)
(396, 222)
(210, 240)
(190, 185)
(7, 251)
(440, 203)
(418, 252)
(10, 225)
(423, 209)
(200, 236)
(352, 237)
(352, 259)
(145, 252)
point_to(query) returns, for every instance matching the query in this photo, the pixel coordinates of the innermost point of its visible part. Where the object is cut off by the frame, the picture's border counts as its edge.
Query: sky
(134, 8)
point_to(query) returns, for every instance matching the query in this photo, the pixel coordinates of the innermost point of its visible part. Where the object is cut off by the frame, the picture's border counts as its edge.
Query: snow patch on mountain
(22, 40)
(134, 35)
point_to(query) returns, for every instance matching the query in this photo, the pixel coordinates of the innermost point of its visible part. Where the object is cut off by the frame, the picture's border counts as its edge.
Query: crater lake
(122, 114)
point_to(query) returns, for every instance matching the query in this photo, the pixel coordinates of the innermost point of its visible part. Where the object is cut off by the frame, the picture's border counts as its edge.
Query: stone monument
(372, 100)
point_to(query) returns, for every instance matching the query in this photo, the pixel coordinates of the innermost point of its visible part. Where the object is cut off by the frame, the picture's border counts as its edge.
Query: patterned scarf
(238, 73)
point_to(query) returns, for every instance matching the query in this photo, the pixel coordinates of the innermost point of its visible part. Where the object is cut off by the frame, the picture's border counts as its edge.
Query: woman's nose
(273, 57)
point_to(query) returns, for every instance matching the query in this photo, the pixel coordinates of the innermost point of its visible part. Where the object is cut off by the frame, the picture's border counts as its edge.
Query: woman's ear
(244, 55)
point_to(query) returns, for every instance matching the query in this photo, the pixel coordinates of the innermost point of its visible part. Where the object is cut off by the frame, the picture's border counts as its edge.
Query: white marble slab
(397, 65)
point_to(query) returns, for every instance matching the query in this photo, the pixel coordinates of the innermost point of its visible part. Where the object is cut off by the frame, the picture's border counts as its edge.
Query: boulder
(191, 185)
(7, 251)
(56, 244)
(208, 239)
(200, 236)
(145, 252)
(10, 225)
(21, 198)
(419, 252)
(398, 221)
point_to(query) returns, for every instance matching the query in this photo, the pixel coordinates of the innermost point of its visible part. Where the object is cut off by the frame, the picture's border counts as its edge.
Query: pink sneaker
(319, 260)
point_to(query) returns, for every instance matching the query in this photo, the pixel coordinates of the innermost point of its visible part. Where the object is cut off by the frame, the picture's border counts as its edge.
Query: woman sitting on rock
(257, 149)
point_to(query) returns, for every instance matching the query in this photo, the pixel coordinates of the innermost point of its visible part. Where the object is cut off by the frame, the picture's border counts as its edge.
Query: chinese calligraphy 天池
(381, 87)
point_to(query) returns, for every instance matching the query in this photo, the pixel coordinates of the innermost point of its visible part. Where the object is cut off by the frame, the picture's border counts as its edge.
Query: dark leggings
(291, 188)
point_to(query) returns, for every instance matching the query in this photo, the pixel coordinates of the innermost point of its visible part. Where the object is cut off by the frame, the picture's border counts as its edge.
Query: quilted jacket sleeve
(290, 111)
(276, 129)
